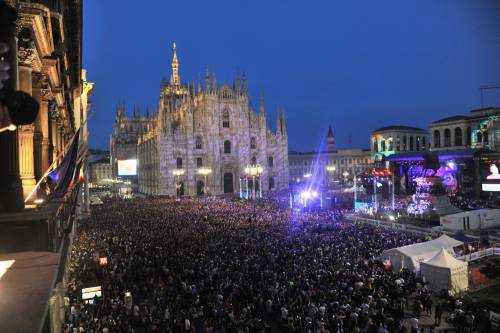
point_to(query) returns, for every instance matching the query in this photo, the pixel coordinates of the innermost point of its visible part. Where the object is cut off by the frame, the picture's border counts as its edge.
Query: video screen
(127, 167)
(491, 178)
(92, 292)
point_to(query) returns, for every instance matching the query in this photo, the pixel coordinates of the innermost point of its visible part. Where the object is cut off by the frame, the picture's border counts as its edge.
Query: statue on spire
(174, 79)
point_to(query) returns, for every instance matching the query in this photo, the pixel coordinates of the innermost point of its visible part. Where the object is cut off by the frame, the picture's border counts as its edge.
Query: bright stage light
(451, 165)
(392, 218)
(314, 194)
(305, 194)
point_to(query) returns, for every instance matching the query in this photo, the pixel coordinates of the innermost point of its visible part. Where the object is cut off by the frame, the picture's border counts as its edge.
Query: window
(447, 137)
(253, 161)
(271, 183)
(199, 162)
(375, 145)
(485, 137)
(179, 163)
(199, 143)
(418, 142)
(270, 161)
(225, 118)
(253, 145)
(411, 143)
(469, 136)
(424, 146)
(458, 136)
(382, 144)
(437, 139)
(391, 145)
(398, 143)
(227, 147)
(479, 137)
(405, 147)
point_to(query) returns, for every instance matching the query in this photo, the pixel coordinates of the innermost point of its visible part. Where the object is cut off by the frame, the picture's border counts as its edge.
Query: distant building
(97, 154)
(100, 170)
(123, 141)
(480, 129)
(390, 140)
(331, 164)
(213, 130)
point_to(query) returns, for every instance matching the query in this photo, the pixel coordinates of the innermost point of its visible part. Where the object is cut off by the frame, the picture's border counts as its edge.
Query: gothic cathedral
(207, 140)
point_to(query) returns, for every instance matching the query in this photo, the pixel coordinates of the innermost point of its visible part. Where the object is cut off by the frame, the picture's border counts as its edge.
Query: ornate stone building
(126, 134)
(213, 128)
(47, 46)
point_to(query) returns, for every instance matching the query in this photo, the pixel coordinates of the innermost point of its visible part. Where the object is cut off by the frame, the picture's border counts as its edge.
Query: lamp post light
(178, 173)
(254, 171)
(330, 169)
(205, 172)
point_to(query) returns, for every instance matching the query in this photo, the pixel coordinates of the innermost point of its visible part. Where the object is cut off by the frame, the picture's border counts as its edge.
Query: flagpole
(49, 169)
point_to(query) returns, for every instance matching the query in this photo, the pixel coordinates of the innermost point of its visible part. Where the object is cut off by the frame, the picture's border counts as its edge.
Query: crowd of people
(228, 266)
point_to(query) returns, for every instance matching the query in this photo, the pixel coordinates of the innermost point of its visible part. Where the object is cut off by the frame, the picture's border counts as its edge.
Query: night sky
(357, 64)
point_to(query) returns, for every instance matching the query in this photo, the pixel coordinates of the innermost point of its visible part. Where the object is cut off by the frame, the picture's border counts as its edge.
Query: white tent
(443, 271)
(410, 256)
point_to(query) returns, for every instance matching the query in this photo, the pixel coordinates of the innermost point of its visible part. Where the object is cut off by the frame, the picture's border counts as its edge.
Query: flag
(64, 173)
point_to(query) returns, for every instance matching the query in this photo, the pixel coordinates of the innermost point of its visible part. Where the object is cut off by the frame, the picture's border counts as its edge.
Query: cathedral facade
(206, 139)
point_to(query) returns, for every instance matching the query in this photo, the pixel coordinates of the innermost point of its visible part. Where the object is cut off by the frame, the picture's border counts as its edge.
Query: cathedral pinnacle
(174, 79)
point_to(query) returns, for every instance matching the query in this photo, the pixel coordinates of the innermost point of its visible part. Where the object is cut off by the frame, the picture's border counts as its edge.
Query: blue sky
(357, 65)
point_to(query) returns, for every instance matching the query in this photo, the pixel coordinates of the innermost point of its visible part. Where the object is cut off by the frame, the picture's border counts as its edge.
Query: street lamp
(330, 169)
(254, 171)
(178, 173)
(205, 172)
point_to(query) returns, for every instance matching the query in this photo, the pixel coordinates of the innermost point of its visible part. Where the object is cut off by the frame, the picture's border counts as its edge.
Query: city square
(250, 167)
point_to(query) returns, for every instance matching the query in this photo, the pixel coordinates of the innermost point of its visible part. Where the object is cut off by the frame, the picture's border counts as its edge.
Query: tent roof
(444, 259)
(431, 246)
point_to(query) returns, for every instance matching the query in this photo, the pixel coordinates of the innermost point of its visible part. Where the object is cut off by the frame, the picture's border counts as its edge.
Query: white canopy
(410, 256)
(443, 271)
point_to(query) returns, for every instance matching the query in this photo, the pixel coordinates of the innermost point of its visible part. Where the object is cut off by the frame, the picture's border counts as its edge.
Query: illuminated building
(390, 140)
(212, 127)
(328, 165)
(100, 170)
(123, 141)
(480, 129)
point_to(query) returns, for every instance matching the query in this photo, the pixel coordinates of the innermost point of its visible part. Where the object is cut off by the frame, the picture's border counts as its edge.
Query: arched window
(398, 143)
(271, 183)
(447, 137)
(225, 118)
(270, 161)
(405, 147)
(458, 136)
(375, 145)
(418, 142)
(469, 136)
(227, 147)
(479, 137)
(485, 137)
(424, 146)
(437, 139)
(199, 162)
(253, 145)
(382, 144)
(411, 143)
(199, 142)
(253, 161)
(179, 163)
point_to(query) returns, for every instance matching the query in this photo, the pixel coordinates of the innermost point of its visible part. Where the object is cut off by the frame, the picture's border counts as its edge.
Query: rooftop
(400, 128)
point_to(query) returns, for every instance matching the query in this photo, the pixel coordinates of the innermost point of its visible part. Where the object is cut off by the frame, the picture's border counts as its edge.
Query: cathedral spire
(214, 82)
(174, 79)
(207, 82)
(199, 84)
(237, 84)
(262, 111)
(244, 85)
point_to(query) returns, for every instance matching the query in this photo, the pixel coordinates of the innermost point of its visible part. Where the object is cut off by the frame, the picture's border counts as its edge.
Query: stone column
(42, 124)
(26, 132)
(11, 191)
(54, 114)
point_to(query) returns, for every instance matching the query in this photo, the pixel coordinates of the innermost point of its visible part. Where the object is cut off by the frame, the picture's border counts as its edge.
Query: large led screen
(127, 167)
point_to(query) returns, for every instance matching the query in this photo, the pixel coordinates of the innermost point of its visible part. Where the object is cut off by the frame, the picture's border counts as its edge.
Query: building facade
(212, 130)
(100, 170)
(329, 165)
(126, 134)
(480, 129)
(47, 47)
(390, 140)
